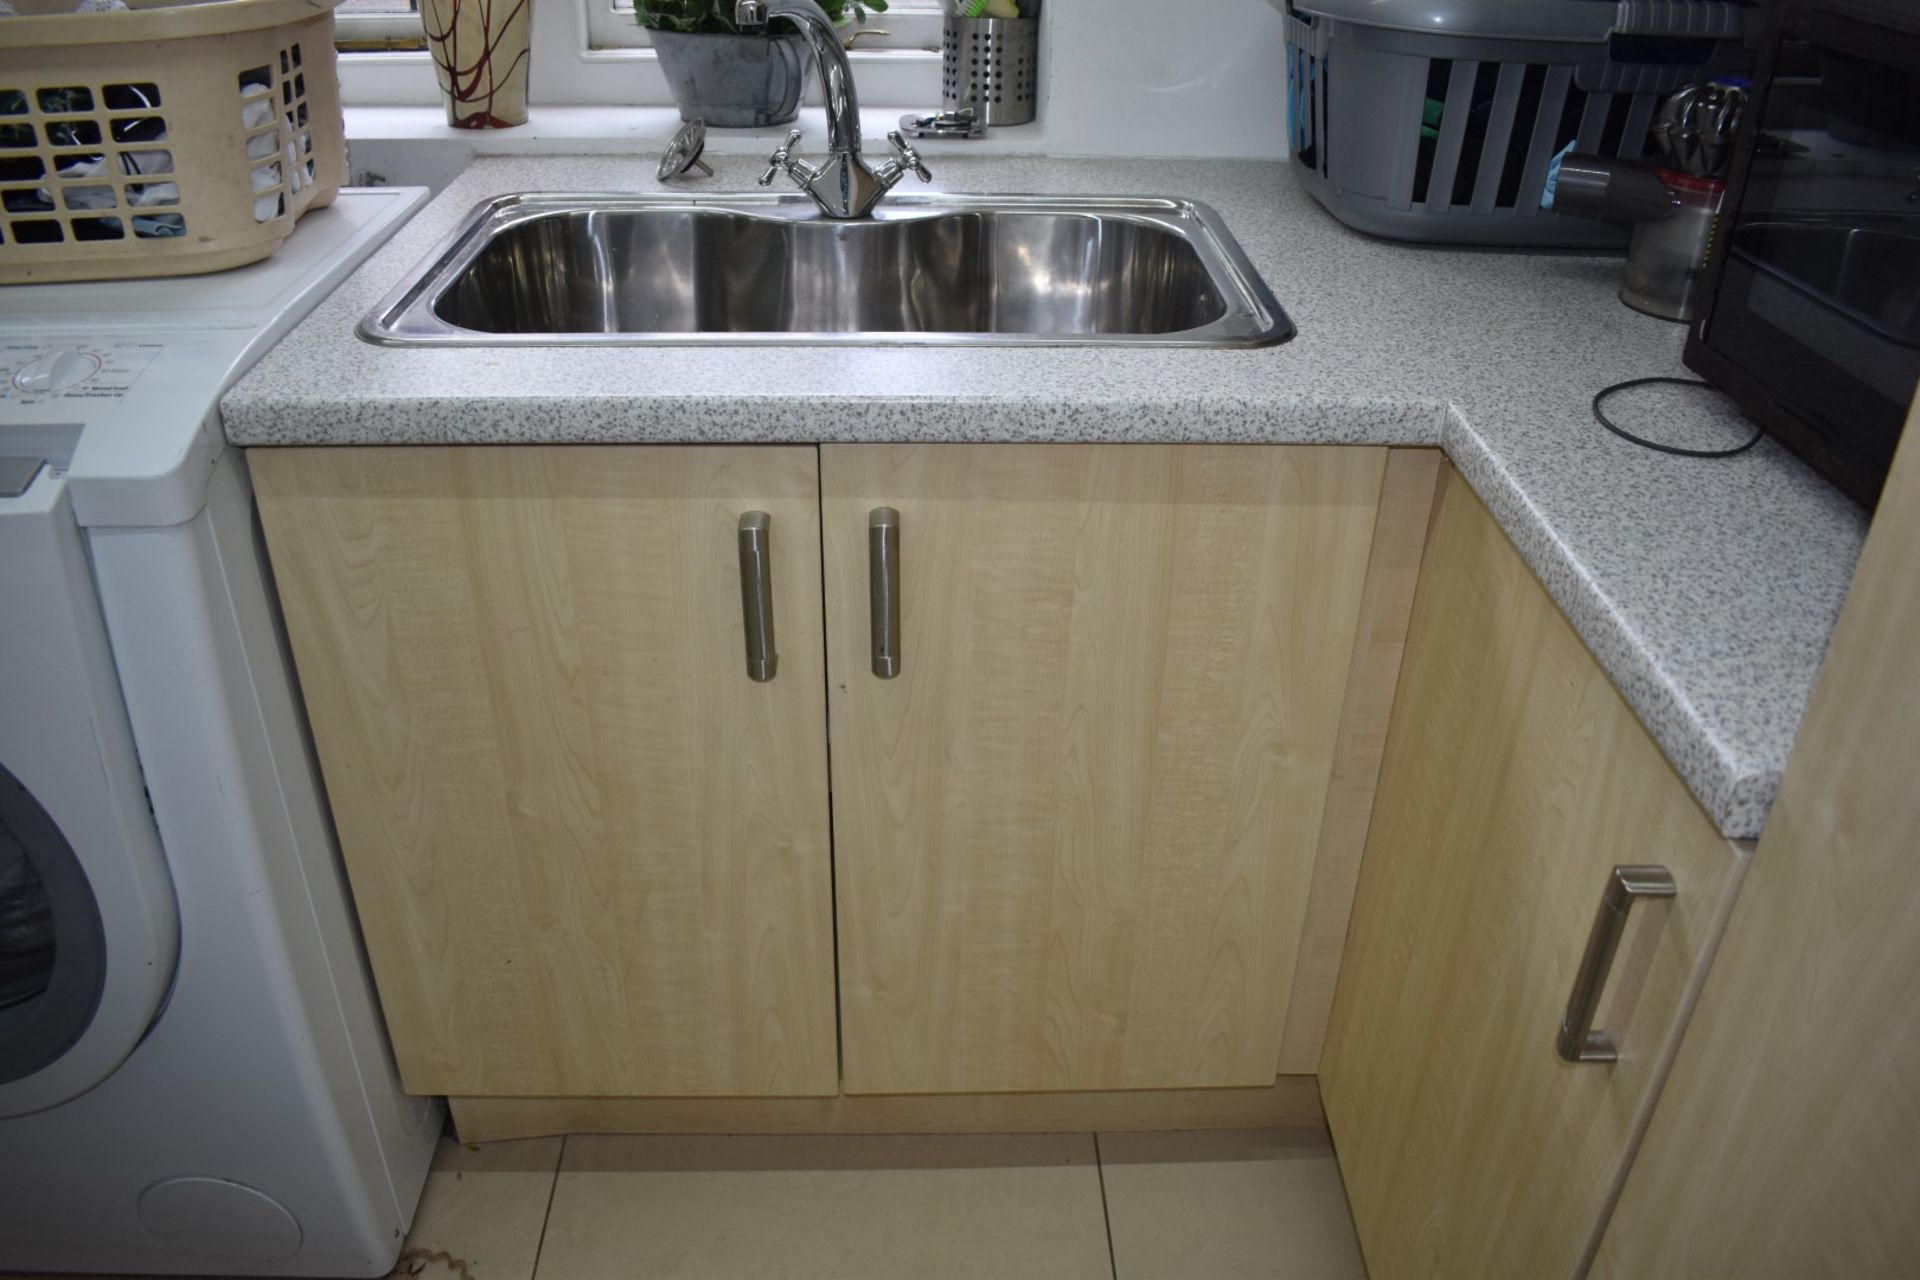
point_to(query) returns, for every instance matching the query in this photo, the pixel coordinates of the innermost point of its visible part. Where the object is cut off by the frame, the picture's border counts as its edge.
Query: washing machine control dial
(56, 370)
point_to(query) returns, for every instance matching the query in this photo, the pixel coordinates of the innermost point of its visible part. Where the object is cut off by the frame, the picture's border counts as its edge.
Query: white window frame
(387, 30)
(570, 67)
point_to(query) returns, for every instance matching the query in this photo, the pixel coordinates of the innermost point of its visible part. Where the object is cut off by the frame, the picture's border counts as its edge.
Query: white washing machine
(194, 1078)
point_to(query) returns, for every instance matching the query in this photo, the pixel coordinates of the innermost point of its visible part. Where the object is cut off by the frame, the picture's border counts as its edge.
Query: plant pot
(735, 81)
(479, 50)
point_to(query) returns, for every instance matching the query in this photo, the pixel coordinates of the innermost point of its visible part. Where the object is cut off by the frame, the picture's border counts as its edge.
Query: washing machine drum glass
(52, 954)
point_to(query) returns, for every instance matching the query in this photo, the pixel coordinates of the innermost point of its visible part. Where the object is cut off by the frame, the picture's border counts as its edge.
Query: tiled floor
(1151, 1206)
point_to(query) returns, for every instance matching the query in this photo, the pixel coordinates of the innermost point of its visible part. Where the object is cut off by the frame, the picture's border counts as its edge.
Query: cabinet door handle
(883, 589)
(756, 594)
(1579, 1041)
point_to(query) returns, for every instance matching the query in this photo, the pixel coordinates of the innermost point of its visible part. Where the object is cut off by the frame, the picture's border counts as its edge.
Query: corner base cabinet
(1515, 781)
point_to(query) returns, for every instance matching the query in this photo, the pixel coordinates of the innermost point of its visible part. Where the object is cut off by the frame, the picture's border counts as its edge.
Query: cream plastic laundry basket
(168, 139)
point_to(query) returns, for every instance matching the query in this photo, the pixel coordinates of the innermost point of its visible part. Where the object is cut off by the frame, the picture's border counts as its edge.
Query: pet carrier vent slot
(1520, 142)
(1553, 127)
(1616, 129)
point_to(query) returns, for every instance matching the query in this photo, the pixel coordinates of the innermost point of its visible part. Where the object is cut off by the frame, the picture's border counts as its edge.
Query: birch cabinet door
(1074, 833)
(590, 854)
(1515, 780)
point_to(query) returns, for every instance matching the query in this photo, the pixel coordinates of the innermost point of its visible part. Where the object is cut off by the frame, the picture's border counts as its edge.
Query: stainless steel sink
(955, 270)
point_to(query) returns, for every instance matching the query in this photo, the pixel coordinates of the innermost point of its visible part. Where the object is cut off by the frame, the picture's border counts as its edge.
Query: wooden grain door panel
(1515, 779)
(1074, 837)
(590, 856)
(1783, 1146)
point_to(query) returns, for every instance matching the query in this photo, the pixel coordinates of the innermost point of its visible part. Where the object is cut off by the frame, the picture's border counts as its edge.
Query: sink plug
(684, 152)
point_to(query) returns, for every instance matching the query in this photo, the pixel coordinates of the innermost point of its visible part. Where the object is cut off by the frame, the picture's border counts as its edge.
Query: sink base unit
(1105, 723)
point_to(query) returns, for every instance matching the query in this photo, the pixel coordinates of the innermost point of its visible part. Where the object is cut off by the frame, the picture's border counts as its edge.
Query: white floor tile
(482, 1213)
(1229, 1205)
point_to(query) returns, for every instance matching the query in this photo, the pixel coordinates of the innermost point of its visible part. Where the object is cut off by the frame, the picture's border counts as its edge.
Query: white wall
(1121, 78)
(1164, 77)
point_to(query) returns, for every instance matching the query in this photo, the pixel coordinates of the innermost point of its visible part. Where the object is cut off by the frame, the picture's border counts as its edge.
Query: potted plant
(725, 77)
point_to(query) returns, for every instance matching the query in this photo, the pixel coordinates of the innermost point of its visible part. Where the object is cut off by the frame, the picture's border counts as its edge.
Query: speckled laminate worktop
(1707, 589)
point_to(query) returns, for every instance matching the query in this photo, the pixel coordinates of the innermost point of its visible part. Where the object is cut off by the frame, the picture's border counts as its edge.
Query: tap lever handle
(909, 158)
(780, 159)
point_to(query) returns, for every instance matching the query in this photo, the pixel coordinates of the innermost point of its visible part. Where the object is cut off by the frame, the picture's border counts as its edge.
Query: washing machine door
(89, 932)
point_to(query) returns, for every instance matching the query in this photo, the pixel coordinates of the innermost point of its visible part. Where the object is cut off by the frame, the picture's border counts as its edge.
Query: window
(907, 24)
(593, 53)
(370, 26)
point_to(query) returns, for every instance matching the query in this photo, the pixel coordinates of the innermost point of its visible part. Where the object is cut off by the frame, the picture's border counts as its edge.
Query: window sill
(629, 131)
(867, 59)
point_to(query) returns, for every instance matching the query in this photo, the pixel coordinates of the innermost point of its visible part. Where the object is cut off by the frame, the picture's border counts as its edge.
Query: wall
(1164, 77)
(1121, 78)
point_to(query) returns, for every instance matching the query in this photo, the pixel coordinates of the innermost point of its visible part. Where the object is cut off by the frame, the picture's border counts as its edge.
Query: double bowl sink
(931, 270)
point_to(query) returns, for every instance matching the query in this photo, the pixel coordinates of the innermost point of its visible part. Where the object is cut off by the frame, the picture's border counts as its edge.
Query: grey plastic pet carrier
(1435, 120)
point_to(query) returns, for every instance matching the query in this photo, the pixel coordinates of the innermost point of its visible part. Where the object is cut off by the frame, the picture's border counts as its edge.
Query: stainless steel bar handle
(756, 594)
(883, 589)
(1579, 1041)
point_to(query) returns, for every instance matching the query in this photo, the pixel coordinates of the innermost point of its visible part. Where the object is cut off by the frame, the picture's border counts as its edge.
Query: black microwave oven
(1811, 318)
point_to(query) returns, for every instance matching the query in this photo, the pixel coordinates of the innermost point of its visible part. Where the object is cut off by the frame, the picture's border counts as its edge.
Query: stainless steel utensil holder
(991, 65)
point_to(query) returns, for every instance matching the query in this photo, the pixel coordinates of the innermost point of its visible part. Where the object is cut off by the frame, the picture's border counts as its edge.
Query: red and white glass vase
(479, 52)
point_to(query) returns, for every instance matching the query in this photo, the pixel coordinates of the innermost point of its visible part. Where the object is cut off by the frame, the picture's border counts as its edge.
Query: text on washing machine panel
(43, 372)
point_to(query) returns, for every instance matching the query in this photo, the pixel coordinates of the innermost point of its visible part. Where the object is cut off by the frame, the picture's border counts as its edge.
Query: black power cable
(1601, 417)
